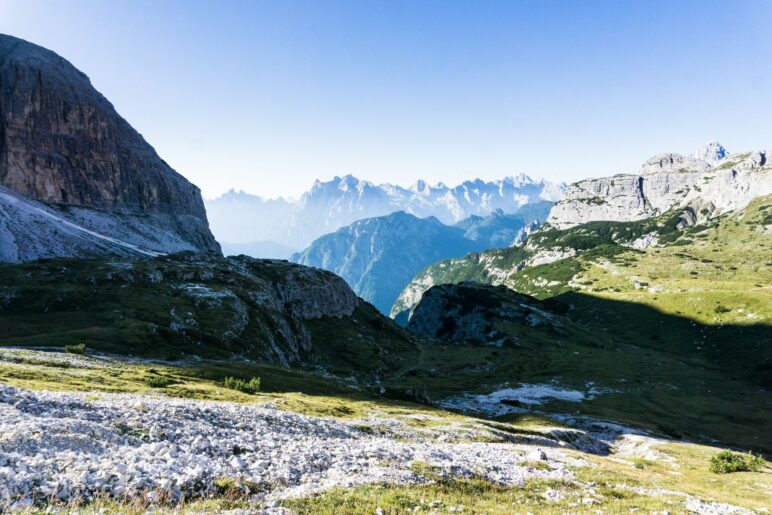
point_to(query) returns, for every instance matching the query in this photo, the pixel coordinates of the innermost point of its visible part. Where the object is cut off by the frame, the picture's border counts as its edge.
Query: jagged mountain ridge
(378, 256)
(238, 217)
(64, 147)
(712, 180)
(615, 214)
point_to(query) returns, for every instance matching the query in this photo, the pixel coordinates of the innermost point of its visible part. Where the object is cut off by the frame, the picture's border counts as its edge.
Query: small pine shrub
(252, 386)
(79, 348)
(726, 462)
(721, 309)
(158, 381)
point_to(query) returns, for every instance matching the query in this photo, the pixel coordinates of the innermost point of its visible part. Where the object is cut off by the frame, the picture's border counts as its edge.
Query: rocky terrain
(65, 447)
(378, 256)
(572, 372)
(238, 217)
(472, 312)
(197, 304)
(152, 451)
(712, 182)
(64, 150)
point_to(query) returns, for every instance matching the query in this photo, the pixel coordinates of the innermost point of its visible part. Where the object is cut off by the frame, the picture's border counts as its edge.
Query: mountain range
(691, 189)
(631, 325)
(378, 256)
(238, 217)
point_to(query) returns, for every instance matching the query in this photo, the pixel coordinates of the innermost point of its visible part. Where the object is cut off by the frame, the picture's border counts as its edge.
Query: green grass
(79, 348)
(159, 381)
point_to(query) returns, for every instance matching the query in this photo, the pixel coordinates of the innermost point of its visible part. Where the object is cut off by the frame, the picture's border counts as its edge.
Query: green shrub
(235, 489)
(79, 348)
(251, 386)
(721, 309)
(159, 381)
(726, 462)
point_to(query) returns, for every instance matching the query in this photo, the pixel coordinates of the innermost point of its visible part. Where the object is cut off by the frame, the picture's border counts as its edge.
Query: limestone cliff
(63, 144)
(715, 180)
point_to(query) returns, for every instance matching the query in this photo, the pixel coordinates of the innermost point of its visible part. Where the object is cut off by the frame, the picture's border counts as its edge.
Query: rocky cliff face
(63, 144)
(196, 304)
(714, 179)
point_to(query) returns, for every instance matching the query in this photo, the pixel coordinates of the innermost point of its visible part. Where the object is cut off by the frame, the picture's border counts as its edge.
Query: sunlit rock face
(713, 178)
(63, 144)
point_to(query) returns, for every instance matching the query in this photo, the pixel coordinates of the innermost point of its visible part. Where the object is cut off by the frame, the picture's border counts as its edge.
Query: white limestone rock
(665, 182)
(711, 153)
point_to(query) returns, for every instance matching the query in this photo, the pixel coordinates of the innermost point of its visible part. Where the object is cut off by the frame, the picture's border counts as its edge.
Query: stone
(665, 182)
(69, 161)
(536, 455)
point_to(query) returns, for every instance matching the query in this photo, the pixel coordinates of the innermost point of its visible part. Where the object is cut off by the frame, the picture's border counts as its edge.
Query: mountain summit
(712, 182)
(70, 164)
(712, 153)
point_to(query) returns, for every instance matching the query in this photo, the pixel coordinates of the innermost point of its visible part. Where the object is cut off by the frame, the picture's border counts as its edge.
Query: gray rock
(65, 146)
(725, 181)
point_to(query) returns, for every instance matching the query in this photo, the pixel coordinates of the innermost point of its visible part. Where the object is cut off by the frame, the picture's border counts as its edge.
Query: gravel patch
(64, 447)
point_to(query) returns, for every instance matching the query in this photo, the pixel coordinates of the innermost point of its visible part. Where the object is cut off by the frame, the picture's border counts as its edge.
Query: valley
(379, 256)
(598, 347)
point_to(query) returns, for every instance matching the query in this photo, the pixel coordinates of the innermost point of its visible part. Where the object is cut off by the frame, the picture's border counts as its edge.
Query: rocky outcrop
(63, 144)
(186, 304)
(478, 313)
(711, 153)
(725, 182)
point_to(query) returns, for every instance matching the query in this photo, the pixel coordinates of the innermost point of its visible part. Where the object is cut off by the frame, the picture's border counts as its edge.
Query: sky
(267, 96)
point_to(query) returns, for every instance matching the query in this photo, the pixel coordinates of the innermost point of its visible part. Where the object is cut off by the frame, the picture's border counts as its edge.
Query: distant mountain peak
(711, 153)
(420, 186)
(338, 202)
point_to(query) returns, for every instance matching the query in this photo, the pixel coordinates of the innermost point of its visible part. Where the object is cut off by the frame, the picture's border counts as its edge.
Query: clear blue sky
(266, 96)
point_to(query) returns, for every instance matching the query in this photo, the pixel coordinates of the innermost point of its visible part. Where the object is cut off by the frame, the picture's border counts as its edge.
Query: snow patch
(509, 400)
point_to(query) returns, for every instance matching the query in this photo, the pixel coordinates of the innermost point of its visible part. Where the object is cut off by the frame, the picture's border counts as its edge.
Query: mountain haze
(378, 256)
(238, 217)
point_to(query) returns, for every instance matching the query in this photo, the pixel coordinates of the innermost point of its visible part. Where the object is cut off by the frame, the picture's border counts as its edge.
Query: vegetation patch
(159, 381)
(78, 348)
(251, 386)
(726, 462)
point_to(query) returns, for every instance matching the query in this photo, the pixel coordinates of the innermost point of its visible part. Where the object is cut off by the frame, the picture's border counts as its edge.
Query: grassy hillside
(186, 306)
(673, 338)
(688, 272)
(676, 338)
